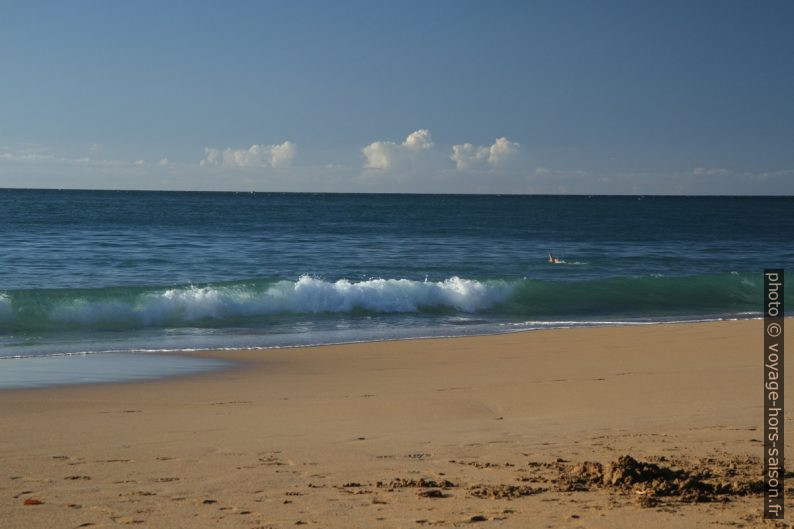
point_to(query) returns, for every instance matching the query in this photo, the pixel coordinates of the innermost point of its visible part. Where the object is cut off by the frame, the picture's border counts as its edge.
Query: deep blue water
(103, 270)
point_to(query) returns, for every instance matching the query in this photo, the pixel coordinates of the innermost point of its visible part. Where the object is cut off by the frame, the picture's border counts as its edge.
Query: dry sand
(484, 432)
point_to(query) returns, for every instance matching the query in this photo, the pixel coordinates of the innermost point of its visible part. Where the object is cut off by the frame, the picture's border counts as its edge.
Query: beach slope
(641, 426)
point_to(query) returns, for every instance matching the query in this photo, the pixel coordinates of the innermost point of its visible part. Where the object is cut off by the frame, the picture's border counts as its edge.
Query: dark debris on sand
(710, 481)
(399, 483)
(660, 480)
(432, 493)
(504, 491)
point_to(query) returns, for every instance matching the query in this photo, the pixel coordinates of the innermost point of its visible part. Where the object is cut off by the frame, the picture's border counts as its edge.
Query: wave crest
(307, 295)
(245, 302)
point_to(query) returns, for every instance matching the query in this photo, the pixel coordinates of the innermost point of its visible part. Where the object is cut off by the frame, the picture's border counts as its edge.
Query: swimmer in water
(552, 259)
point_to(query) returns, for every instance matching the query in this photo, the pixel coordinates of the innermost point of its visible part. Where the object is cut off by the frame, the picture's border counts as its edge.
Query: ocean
(89, 280)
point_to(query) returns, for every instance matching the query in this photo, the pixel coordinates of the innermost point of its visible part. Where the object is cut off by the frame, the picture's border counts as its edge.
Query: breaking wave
(244, 302)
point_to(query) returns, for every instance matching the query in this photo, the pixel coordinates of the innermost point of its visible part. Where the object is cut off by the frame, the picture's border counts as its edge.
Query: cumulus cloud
(282, 155)
(467, 156)
(418, 140)
(279, 155)
(388, 154)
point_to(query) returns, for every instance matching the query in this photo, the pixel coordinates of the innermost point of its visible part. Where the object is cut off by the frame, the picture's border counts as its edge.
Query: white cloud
(771, 175)
(282, 155)
(703, 171)
(164, 162)
(502, 151)
(26, 157)
(418, 140)
(38, 155)
(467, 156)
(380, 154)
(26, 153)
(390, 155)
(212, 157)
(279, 155)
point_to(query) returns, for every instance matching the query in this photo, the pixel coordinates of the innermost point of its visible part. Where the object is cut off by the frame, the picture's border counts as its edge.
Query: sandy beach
(519, 430)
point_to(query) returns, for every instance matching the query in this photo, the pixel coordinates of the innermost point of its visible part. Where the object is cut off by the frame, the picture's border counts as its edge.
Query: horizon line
(661, 195)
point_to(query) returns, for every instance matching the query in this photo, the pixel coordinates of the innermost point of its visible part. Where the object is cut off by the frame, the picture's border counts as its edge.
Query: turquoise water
(93, 271)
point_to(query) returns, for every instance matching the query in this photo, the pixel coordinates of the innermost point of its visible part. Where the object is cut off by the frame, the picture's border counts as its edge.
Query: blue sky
(463, 96)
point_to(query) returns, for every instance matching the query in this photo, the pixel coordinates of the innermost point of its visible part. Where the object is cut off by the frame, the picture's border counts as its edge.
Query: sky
(609, 97)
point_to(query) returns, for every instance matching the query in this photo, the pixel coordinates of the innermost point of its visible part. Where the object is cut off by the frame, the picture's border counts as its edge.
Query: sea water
(123, 273)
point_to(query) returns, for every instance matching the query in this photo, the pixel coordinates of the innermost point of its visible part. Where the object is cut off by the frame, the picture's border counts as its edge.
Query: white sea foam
(307, 295)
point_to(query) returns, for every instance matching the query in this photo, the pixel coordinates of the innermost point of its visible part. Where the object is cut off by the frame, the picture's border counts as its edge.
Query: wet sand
(656, 426)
